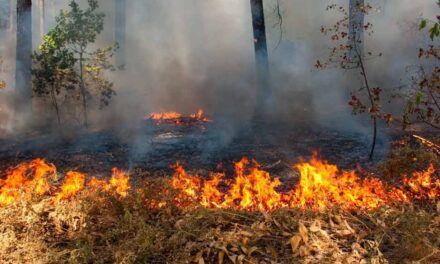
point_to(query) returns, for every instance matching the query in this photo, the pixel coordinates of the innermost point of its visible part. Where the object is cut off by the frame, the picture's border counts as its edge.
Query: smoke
(185, 55)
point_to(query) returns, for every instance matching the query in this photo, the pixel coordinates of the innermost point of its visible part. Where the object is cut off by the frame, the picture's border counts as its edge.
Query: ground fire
(178, 119)
(321, 186)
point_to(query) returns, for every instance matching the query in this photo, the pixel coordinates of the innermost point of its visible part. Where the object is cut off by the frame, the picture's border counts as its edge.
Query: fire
(253, 190)
(179, 119)
(422, 185)
(165, 116)
(17, 179)
(32, 178)
(120, 182)
(320, 186)
(73, 184)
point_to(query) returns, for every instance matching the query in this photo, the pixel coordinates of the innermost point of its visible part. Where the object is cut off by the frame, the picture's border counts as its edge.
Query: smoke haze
(190, 54)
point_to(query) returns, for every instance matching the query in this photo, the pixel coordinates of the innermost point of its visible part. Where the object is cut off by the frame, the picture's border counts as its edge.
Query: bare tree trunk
(261, 55)
(356, 28)
(11, 16)
(23, 76)
(42, 13)
(120, 30)
(83, 89)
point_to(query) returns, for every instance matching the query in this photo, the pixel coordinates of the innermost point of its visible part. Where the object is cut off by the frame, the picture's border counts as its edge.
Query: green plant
(64, 61)
(53, 68)
(423, 98)
(348, 54)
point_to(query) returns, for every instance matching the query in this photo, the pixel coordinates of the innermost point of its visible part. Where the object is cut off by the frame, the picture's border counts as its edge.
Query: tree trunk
(356, 28)
(5, 13)
(11, 16)
(42, 13)
(261, 55)
(83, 89)
(23, 75)
(120, 30)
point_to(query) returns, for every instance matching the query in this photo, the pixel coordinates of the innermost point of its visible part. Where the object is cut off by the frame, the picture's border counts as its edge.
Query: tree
(23, 74)
(65, 65)
(350, 56)
(356, 28)
(42, 13)
(53, 68)
(260, 46)
(120, 30)
(81, 28)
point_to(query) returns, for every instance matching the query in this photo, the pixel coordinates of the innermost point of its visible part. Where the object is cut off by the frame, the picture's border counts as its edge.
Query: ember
(321, 186)
(178, 119)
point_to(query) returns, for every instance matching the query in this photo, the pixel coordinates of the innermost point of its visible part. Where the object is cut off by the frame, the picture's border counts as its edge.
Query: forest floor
(102, 227)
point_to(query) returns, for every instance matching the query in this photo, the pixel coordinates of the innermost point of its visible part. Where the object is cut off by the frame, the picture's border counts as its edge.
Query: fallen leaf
(303, 232)
(304, 251)
(221, 257)
(294, 242)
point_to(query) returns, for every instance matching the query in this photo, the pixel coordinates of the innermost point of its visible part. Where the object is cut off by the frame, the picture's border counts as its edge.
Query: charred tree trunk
(23, 76)
(261, 55)
(42, 13)
(356, 29)
(120, 30)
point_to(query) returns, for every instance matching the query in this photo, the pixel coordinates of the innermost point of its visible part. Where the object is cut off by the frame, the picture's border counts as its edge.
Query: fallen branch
(428, 143)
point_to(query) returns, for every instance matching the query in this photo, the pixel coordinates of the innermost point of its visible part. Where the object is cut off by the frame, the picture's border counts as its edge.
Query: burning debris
(179, 119)
(321, 186)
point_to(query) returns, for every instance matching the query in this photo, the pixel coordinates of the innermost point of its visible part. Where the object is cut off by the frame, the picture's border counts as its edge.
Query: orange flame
(119, 182)
(422, 185)
(179, 119)
(17, 179)
(165, 116)
(73, 183)
(321, 186)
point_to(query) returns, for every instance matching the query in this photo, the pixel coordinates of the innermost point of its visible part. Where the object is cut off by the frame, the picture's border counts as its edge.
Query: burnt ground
(154, 148)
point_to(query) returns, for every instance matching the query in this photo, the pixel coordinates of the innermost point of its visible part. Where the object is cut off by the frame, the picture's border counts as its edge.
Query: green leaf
(419, 96)
(423, 24)
(435, 31)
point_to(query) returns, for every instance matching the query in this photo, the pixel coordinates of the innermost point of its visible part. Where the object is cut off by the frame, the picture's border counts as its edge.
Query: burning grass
(178, 119)
(330, 216)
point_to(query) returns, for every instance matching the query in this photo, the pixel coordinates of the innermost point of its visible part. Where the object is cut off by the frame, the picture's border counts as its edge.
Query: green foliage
(63, 64)
(423, 98)
(434, 31)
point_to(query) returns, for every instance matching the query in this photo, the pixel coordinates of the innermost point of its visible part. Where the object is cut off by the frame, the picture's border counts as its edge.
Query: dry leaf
(303, 232)
(294, 242)
(315, 227)
(221, 257)
(304, 251)
(201, 260)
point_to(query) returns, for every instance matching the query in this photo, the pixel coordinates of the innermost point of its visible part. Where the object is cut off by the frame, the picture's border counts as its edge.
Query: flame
(17, 179)
(165, 116)
(119, 182)
(422, 184)
(253, 190)
(179, 119)
(189, 185)
(321, 185)
(73, 183)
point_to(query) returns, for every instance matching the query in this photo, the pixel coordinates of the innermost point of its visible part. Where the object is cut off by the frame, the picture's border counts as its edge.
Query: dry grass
(99, 228)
